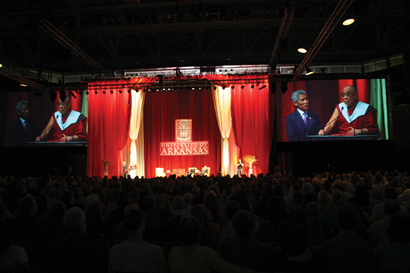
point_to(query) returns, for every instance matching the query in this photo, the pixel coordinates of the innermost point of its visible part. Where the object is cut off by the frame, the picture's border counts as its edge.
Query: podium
(341, 137)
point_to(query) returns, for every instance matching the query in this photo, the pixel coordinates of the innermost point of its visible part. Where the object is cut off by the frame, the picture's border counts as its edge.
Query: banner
(184, 148)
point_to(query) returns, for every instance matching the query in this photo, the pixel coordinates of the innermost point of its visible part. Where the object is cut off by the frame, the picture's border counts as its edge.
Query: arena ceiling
(122, 35)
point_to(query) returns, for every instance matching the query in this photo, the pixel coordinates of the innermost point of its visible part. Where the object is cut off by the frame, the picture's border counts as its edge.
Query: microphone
(333, 119)
(48, 128)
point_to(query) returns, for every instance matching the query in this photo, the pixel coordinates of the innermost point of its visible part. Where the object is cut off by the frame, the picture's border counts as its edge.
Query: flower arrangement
(249, 159)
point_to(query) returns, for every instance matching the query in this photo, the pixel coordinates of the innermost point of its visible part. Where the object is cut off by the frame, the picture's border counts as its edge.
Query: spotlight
(262, 87)
(272, 87)
(111, 91)
(63, 95)
(284, 87)
(348, 22)
(302, 50)
(242, 86)
(309, 71)
(120, 91)
(96, 92)
(252, 86)
(53, 96)
(104, 92)
(72, 94)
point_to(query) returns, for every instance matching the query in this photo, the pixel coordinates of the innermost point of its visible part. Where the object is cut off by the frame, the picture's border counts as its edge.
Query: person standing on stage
(21, 130)
(302, 122)
(352, 117)
(124, 169)
(240, 167)
(65, 125)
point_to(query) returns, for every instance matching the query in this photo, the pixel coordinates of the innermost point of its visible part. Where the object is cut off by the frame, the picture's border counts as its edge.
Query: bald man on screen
(66, 125)
(352, 117)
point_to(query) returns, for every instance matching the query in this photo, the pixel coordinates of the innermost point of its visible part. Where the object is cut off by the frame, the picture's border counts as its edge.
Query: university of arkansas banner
(199, 146)
(183, 144)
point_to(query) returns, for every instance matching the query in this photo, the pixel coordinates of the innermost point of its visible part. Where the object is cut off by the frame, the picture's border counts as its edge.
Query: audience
(319, 224)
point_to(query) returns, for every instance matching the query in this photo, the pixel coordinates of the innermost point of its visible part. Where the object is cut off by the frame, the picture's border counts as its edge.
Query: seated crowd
(350, 222)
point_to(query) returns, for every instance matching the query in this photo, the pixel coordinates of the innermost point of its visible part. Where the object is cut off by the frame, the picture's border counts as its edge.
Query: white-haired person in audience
(135, 254)
(73, 251)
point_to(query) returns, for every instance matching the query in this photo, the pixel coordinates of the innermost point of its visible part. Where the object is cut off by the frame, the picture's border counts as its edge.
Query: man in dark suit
(21, 130)
(302, 122)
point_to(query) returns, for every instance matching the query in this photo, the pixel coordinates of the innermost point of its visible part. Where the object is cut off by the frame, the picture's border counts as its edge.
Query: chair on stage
(159, 172)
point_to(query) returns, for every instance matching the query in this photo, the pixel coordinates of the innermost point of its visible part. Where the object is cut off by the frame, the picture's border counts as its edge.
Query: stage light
(348, 22)
(104, 92)
(129, 91)
(232, 87)
(111, 91)
(214, 87)
(242, 86)
(87, 92)
(120, 91)
(252, 86)
(95, 92)
(262, 87)
(284, 87)
(309, 71)
(302, 50)
(257, 84)
(272, 87)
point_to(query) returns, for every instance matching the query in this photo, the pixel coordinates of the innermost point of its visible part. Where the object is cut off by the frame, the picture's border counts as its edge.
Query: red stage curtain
(250, 123)
(161, 109)
(108, 127)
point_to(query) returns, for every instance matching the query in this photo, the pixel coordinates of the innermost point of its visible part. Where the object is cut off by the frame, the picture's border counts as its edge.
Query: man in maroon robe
(352, 117)
(65, 125)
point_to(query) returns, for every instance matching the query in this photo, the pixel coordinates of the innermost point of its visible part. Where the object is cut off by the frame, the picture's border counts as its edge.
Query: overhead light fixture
(309, 71)
(348, 22)
(302, 50)
(22, 84)
(284, 87)
(272, 87)
(1, 65)
(262, 87)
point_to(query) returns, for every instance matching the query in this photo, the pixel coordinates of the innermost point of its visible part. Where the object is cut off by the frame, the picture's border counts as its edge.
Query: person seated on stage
(22, 130)
(204, 170)
(65, 125)
(191, 171)
(352, 117)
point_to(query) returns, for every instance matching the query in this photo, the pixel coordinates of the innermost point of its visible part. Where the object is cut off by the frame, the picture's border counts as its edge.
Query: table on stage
(341, 137)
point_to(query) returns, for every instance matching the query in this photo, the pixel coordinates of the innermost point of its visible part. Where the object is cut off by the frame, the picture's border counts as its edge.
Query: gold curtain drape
(137, 106)
(222, 104)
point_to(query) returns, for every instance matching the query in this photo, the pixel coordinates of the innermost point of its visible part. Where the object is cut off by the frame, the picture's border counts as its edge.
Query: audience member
(245, 250)
(347, 252)
(134, 254)
(193, 257)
